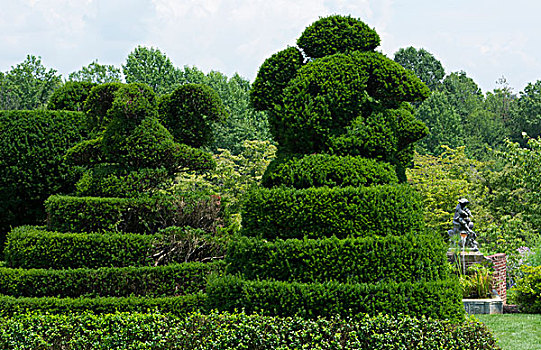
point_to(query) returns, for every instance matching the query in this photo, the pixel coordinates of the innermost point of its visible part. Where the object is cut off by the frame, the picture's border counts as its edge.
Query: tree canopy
(423, 64)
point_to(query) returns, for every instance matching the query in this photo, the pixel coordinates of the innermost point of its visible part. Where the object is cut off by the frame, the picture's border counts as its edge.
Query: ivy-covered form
(333, 230)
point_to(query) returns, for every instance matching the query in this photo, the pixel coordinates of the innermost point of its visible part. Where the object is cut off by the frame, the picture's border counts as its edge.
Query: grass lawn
(515, 331)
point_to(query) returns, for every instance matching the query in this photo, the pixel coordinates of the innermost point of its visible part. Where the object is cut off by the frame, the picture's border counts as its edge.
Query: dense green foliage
(98, 102)
(102, 305)
(71, 96)
(152, 67)
(527, 291)
(32, 165)
(440, 299)
(316, 170)
(116, 181)
(345, 132)
(352, 260)
(423, 64)
(273, 76)
(234, 173)
(159, 281)
(233, 331)
(189, 113)
(337, 34)
(97, 73)
(144, 214)
(28, 85)
(328, 105)
(323, 212)
(34, 247)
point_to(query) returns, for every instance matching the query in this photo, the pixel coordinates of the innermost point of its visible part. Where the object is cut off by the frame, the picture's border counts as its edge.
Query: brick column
(500, 274)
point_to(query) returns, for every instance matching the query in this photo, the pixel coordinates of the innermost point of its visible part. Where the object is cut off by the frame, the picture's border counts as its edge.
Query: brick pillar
(500, 274)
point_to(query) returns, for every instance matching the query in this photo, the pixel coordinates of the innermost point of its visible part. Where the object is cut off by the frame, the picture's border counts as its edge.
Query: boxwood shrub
(352, 260)
(176, 305)
(35, 247)
(527, 291)
(170, 280)
(439, 299)
(196, 330)
(117, 181)
(144, 214)
(321, 212)
(316, 170)
(32, 165)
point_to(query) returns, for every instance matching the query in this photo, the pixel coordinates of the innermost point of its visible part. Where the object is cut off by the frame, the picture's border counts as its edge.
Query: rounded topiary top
(189, 112)
(71, 96)
(130, 134)
(343, 99)
(335, 34)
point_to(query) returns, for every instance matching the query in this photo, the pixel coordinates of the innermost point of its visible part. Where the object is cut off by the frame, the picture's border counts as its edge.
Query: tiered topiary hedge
(333, 231)
(121, 241)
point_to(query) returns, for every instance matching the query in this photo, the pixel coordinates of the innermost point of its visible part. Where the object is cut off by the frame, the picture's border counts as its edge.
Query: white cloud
(485, 38)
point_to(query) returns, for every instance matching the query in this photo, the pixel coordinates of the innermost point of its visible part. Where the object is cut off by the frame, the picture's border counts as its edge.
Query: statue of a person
(463, 226)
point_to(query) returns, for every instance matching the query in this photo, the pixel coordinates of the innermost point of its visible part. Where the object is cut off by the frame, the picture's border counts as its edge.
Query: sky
(488, 39)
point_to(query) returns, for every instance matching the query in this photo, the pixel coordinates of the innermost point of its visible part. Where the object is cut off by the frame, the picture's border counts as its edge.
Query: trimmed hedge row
(316, 170)
(352, 260)
(440, 299)
(145, 214)
(178, 305)
(322, 212)
(238, 331)
(32, 164)
(170, 280)
(34, 247)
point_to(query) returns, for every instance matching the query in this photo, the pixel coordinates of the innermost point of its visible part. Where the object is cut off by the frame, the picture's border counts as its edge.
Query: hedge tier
(233, 331)
(322, 212)
(178, 305)
(34, 247)
(440, 300)
(145, 214)
(316, 170)
(352, 260)
(170, 280)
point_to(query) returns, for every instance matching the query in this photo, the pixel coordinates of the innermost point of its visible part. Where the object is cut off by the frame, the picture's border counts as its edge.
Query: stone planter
(483, 306)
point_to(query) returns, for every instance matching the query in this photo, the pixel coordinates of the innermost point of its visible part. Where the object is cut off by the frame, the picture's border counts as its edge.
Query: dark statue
(463, 227)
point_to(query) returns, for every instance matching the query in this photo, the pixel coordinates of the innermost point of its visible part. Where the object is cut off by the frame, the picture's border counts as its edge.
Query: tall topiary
(342, 117)
(133, 155)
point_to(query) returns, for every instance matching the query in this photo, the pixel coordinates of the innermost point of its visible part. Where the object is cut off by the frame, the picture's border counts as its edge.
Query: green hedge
(117, 181)
(527, 291)
(145, 214)
(238, 331)
(441, 299)
(316, 170)
(178, 305)
(343, 212)
(170, 280)
(32, 165)
(71, 96)
(34, 247)
(353, 260)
